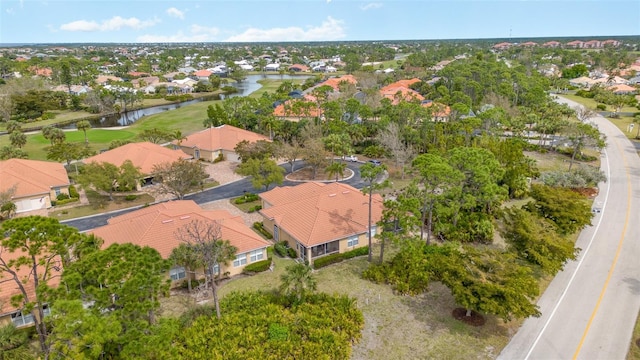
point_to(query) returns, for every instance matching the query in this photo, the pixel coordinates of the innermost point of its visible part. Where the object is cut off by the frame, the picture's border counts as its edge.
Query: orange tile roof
(316, 213)
(224, 137)
(396, 94)
(313, 111)
(621, 88)
(143, 155)
(334, 82)
(31, 176)
(202, 73)
(9, 288)
(155, 226)
(401, 83)
(439, 110)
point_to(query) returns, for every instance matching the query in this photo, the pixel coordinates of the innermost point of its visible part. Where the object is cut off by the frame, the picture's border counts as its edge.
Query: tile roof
(202, 73)
(9, 288)
(143, 155)
(316, 213)
(396, 94)
(439, 110)
(31, 176)
(224, 137)
(334, 82)
(155, 226)
(404, 83)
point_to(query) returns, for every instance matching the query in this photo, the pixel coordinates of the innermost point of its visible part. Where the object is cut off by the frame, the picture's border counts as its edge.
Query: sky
(140, 21)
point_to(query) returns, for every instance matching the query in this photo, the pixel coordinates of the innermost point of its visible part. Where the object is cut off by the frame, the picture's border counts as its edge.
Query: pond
(246, 87)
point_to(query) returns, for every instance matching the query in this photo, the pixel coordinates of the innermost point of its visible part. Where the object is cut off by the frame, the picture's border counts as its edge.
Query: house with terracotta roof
(551, 44)
(208, 144)
(318, 219)
(335, 82)
(622, 89)
(8, 289)
(43, 72)
(439, 112)
(576, 44)
(592, 44)
(156, 227)
(203, 74)
(502, 46)
(298, 109)
(105, 79)
(143, 155)
(299, 68)
(612, 43)
(35, 183)
(529, 44)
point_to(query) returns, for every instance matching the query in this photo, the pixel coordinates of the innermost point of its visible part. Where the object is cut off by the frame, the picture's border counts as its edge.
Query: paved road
(589, 309)
(230, 190)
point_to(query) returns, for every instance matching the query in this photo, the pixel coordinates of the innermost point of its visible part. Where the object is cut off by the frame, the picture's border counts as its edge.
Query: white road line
(584, 255)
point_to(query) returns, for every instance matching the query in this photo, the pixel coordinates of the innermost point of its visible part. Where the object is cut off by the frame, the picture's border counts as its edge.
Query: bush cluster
(258, 226)
(130, 197)
(182, 97)
(336, 258)
(62, 196)
(256, 267)
(63, 201)
(219, 158)
(248, 197)
(255, 208)
(73, 192)
(281, 248)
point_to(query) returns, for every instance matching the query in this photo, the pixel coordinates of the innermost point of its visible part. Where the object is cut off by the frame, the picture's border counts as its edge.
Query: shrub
(278, 332)
(130, 197)
(62, 196)
(373, 151)
(336, 258)
(73, 192)
(292, 253)
(281, 248)
(247, 197)
(601, 107)
(258, 266)
(64, 201)
(54, 203)
(258, 226)
(219, 158)
(255, 208)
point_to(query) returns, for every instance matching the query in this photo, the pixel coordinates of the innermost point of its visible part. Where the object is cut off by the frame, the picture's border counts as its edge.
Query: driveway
(229, 190)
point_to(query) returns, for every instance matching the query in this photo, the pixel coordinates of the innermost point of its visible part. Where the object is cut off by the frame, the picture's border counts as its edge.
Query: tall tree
(10, 152)
(435, 177)
(315, 156)
(156, 135)
(33, 251)
(370, 174)
(107, 177)
(83, 126)
(400, 151)
(18, 139)
(14, 343)
(581, 135)
(68, 152)
(214, 252)
(337, 168)
(567, 209)
(186, 256)
(263, 172)
(179, 177)
(291, 152)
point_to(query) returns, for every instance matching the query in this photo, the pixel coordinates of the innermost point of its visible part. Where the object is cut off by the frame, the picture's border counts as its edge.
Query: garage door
(30, 204)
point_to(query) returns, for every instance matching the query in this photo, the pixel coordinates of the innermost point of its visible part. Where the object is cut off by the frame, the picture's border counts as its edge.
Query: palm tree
(297, 281)
(336, 168)
(18, 139)
(83, 126)
(185, 255)
(370, 172)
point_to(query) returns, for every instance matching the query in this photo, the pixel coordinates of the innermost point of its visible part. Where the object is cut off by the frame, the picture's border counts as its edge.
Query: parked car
(351, 158)
(375, 162)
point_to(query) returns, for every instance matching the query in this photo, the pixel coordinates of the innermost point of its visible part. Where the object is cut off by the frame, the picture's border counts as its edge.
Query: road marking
(575, 272)
(615, 259)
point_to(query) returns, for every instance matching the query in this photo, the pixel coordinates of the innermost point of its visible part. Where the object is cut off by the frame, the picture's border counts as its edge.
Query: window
(352, 241)
(177, 273)
(196, 154)
(240, 260)
(256, 255)
(19, 319)
(57, 190)
(216, 270)
(372, 230)
(276, 233)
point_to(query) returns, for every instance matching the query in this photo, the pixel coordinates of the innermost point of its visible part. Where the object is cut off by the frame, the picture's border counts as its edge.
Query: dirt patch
(587, 192)
(474, 319)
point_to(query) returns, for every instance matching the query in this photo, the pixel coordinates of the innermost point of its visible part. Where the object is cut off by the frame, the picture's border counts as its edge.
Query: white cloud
(330, 29)
(115, 23)
(175, 13)
(370, 6)
(10, 11)
(198, 33)
(199, 29)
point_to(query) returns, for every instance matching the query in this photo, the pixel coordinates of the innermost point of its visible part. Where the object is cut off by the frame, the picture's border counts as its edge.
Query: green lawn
(634, 347)
(100, 204)
(591, 104)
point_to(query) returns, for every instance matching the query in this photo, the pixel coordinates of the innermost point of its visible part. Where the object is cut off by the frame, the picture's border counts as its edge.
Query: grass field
(634, 347)
(591, 104)
(104, 205)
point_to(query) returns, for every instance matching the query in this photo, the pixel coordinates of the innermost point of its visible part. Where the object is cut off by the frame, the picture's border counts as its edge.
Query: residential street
(230, 190)
(590, 308)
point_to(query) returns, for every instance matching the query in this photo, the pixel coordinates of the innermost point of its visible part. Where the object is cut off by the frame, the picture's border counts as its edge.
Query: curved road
(590, 308)
(230, 190)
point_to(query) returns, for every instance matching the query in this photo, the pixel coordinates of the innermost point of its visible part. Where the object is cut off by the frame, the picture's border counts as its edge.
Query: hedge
(64, 201)
(336, 258)
(292, 253)
(255, 208)
(248, 197)
(281, 248)
(258, 266)
(73, 192)
(258, 226)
